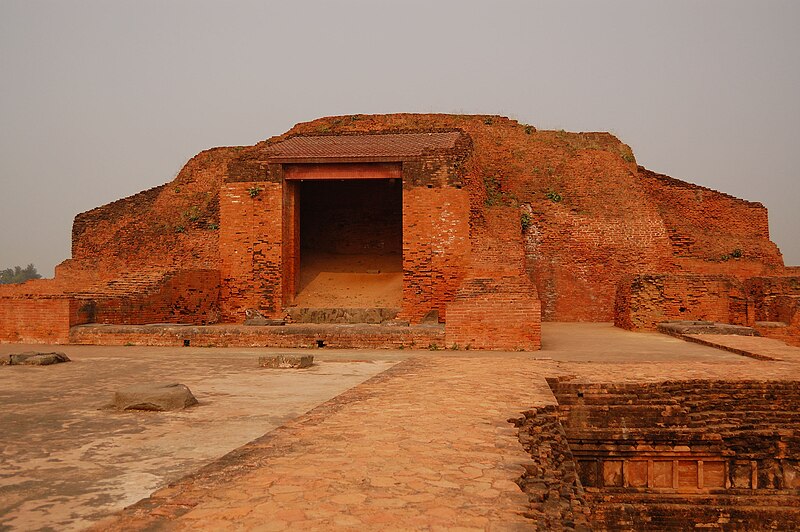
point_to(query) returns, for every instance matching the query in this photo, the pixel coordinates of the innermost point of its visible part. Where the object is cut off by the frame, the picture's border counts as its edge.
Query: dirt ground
(350, 281)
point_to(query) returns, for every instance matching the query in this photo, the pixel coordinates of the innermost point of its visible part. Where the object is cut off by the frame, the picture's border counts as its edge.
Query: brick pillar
(251, 249)
(496, 305)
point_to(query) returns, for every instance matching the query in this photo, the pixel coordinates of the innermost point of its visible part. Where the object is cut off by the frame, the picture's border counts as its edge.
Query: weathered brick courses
(501, 224)
(643, 301)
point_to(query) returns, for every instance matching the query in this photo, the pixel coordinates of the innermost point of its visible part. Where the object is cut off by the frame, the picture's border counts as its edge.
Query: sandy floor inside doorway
(345, 281)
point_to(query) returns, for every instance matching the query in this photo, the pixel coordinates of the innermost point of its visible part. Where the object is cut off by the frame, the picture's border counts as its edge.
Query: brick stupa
(416, 231)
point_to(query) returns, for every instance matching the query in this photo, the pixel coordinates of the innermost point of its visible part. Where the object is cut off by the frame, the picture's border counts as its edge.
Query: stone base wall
(289, 336)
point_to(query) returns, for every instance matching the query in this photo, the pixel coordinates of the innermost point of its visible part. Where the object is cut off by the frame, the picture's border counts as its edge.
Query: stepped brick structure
(665, 456)
(466, 231)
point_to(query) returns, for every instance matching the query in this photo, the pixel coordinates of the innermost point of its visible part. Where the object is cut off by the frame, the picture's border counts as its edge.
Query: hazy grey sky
(102, 99)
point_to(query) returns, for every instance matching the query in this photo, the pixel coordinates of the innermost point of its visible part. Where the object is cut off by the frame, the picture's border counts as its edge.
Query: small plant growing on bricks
(525, 221)
(254, 191)
(553, 196)
(192, 213)
(495, 195)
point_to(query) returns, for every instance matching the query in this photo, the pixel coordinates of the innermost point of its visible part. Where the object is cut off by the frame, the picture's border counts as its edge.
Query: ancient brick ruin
(719, 455)
(457, 231)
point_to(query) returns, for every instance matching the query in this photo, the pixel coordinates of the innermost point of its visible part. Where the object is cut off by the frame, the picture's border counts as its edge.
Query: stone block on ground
(254, 317)
(33, 358)
(158, 397)
(704, 327)
(286, 361)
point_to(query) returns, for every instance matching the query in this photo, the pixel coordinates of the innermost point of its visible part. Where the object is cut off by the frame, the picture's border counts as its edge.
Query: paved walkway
(427, 444)
(750, 346)
(423, 445)
(65, 462)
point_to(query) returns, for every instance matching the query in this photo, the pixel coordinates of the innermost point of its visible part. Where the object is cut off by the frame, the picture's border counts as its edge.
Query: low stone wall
(287, 336)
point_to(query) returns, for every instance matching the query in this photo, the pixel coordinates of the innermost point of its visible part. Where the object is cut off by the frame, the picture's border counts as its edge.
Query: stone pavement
(750, 346)
(66, 462)
(427, 444)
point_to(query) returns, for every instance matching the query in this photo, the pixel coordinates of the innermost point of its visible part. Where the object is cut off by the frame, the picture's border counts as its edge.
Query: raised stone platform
(678, 328)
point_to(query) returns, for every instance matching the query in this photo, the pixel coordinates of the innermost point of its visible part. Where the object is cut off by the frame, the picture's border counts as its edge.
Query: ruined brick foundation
(665, 456)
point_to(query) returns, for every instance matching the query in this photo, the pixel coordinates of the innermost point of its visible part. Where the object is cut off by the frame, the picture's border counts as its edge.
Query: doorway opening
(351, 243)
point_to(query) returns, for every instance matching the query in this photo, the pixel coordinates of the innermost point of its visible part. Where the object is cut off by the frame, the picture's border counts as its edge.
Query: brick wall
(435, 248)
(496, 306)
(768, 295)
(555, 494)
(498, 313)
(173, 225)
(777, 300)
(676, 455)
(643, 301)
(251, 235)
(601, 228)
(36, 320)
(187, 296)
(712, 232)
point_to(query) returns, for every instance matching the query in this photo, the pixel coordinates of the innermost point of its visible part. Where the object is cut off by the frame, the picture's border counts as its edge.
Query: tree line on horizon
(18, 274)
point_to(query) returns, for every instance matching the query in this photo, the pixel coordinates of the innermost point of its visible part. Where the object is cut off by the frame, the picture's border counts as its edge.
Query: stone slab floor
(419, 440)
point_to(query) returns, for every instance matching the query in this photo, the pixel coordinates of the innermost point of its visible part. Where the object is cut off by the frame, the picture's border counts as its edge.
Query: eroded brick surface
(555, 223)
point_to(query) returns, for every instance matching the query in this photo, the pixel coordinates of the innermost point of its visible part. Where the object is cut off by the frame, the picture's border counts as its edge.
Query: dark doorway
(351, 243)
